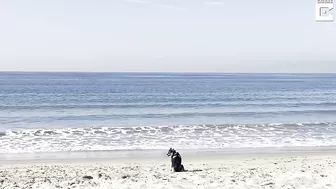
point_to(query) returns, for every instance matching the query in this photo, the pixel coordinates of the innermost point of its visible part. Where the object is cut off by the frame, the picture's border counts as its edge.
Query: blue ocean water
(42, 112)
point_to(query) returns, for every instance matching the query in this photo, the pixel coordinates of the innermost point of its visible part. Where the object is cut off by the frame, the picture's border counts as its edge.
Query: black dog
(176, 160)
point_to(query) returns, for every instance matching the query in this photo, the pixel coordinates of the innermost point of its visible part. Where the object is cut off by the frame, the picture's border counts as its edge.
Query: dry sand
(296, 171)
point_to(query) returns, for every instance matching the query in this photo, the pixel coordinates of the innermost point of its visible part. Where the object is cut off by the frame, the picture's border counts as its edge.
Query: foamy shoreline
(192, 136)
(281, 170)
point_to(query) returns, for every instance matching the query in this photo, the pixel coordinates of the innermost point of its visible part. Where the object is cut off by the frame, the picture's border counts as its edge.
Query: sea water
(52, 112)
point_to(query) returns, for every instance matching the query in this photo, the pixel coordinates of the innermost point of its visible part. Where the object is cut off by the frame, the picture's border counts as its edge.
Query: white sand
(311, 172)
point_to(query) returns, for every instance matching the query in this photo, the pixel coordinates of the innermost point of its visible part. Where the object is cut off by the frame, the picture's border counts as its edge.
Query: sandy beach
(313, 171)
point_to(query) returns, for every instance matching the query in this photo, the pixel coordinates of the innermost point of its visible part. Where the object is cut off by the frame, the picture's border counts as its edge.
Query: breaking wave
(161, 137)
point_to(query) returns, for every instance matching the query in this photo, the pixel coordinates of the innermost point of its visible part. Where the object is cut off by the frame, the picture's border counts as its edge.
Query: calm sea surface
(45, 112)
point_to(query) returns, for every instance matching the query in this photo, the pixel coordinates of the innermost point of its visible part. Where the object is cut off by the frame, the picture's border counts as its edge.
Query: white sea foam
(161, 137)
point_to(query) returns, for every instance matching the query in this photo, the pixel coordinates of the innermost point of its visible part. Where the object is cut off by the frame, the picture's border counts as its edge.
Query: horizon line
(169, 72)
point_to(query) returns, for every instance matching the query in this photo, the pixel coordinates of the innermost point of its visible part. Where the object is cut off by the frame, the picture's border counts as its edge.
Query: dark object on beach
(176, 160)
(125, 176)
(88, 177)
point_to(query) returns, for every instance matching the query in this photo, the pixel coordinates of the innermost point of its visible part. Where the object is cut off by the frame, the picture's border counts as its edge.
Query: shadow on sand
(193, 171)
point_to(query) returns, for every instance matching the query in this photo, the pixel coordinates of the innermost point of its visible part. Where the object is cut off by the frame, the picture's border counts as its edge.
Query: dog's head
(171, 151)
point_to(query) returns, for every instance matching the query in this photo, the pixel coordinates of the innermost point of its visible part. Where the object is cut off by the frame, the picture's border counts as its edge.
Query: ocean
(53, 112)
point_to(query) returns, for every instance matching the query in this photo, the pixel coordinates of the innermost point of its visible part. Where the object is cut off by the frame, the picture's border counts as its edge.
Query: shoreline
(160, 155)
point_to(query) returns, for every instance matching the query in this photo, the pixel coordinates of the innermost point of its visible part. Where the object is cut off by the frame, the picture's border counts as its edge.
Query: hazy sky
(165, 35)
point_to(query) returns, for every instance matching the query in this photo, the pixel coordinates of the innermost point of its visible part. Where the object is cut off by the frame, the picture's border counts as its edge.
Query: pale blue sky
(165, 35)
